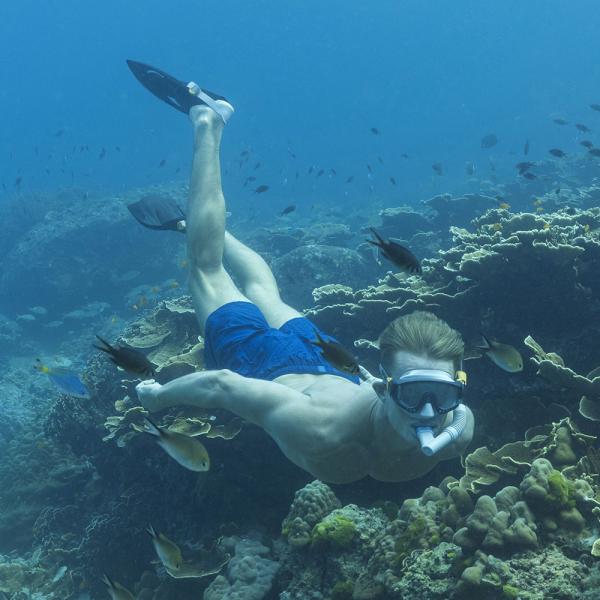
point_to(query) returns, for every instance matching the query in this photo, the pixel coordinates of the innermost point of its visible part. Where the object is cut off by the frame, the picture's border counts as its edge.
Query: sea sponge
(334, 530)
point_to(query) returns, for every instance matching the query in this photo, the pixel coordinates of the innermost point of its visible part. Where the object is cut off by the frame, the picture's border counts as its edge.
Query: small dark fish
(595, 107)
(524, 166)
(375, 131)
(128, 359)
(118, 148)
(557, 191)
(594, 151)
(163, 162)
(438, 168)
(36, 150)
(402, 257)
(102, 154)
(489, 140)
(291, 153)
(369, 168)
(257, 166)
(310, 170)
(261, 188)
(469, 168)
(587, 144)
(244, 153)
(18, 181)
(288, 209)
(380, 160)
(177, 169)
(297, 173)
(560, 121)
(333, 172)
(529, 176)
(404, 155)
(350, 179)
(526, 148)
(248, 180)
(337, 355)
(321, 171)
(392, 181)
(582, 127)
(557, 152)
(59, 133)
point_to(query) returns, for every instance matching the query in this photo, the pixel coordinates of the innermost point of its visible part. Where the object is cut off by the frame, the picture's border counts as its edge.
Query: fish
(594, 151)
(115, 590)
(438, 168)
(59, 133)
(102, 154)
(163, 162)
(526, 148)
(557, 152)
(189, 452)
(489, 140)
(128, 359)
(392, 180)
(333, 172)
(66, 380)
(168, 552)
(350, 179)
(18, 181)
(505, 356)
(375, 131)
(261, 189)
(582, 127)
(524, 166)
(469, 168)
(288, 209)
(595, 107)
(587, 144)
(249, 179)
(560, 121)
(257, 166)
(321, 171)
(404, 155)
(402, 257)
(380, 159)
(530, 176)
(369, 169)
(337, 355)
(291, 153)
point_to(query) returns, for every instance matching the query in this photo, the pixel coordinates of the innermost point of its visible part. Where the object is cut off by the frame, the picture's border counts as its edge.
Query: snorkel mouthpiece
(431, 444)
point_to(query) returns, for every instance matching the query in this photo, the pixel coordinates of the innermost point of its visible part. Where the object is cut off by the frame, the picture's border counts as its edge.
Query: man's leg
(210, 284)
(257, 280)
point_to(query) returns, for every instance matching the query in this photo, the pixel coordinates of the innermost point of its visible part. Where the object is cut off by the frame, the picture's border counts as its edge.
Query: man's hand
(148, 392)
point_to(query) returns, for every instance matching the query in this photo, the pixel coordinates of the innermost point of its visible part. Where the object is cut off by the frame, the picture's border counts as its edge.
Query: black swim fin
(170, 90)
(157, 212)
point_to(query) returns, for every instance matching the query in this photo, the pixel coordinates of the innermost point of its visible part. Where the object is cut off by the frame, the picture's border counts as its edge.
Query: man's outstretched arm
(252, 399)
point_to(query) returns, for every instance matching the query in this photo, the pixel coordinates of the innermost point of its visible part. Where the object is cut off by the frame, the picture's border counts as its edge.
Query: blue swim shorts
(238, 338)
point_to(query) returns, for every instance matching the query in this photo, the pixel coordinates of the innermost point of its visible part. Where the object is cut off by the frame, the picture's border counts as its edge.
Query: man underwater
(262, 363)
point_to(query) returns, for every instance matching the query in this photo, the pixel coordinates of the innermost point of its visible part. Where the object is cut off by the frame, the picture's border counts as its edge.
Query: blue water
(311, 76)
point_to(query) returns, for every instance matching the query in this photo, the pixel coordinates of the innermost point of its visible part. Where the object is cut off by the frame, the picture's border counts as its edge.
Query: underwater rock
(38, 261)
(249, 574)
(302, 270)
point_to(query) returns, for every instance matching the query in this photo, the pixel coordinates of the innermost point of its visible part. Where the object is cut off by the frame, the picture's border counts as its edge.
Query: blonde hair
(423, 334)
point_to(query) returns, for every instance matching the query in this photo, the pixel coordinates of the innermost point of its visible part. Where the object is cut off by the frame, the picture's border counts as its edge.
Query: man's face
(401, 362)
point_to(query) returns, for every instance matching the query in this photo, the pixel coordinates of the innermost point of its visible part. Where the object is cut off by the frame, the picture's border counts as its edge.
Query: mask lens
(444, 396)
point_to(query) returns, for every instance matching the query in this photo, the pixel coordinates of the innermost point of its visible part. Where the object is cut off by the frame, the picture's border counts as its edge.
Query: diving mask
(418, 387)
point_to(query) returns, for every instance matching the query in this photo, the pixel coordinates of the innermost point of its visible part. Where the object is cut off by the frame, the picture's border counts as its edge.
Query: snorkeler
(262, 362)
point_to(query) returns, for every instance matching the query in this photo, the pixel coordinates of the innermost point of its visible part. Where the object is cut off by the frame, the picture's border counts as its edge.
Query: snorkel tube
(431, 444)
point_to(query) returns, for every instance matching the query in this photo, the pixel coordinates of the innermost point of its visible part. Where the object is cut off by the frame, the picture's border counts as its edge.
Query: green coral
(560, 491)
(335, 530)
